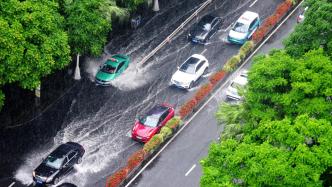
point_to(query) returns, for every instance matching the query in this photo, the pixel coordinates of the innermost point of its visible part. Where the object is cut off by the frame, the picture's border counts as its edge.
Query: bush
(187, 108)
(283, 8)
(216, 77)
(153, 143)
(232, 63)
(246, 48)
(117, 177)
(203, 92)
(174, 123)
(135, 159)
(271, 21)
(165, 132)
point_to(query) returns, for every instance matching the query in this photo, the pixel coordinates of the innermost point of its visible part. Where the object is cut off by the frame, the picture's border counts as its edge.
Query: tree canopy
(314, 32)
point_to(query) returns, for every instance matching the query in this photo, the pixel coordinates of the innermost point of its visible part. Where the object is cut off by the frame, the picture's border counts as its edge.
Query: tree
(88, 23)
(280, 86)
(314, 32)
(280, 153)
(33, 43)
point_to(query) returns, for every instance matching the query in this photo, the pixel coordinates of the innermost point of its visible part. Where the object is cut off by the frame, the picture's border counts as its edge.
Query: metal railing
(169, 37)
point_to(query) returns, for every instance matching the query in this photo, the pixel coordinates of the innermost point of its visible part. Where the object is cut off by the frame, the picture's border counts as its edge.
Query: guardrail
(169, 37)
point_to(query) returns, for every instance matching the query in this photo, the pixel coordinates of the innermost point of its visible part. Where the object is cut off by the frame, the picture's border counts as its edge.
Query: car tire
(79, 160)
(56, 181)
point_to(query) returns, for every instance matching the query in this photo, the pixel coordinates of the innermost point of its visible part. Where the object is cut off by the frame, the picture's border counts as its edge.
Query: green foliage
(153, 143)
(282, 133)
(165, 132)
(280, 86)
(314, 32)
(174, 123)
(246, 48)
(32, 43)
(131, 4)
(87, 26)
(2, 98)
(232, 63)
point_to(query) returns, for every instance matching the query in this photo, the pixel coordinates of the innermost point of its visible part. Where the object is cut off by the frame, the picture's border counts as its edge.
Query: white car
(190, 71)
(244, 27)
(238, 83)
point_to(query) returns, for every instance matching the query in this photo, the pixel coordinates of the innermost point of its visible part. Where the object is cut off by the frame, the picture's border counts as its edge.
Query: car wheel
(56, 180)
(79, 160)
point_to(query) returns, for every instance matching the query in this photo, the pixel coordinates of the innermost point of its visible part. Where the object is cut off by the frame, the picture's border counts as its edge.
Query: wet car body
(150, 124)
(58, 163)
(205, 29)
(111, 69)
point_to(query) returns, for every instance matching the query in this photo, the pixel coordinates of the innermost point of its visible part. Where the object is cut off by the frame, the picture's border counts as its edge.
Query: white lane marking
(203, 51)
(12, 184)
(187, 123)
(252, 4)
(192, 168)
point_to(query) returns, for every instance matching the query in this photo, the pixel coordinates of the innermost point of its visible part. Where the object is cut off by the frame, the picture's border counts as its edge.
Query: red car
(150, 124)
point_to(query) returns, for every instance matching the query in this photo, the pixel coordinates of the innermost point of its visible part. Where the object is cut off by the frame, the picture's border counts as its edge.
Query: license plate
(39, 182)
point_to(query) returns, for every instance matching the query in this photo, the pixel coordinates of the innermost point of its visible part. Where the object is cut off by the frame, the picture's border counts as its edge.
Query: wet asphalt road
(178, 165)
(100, 118)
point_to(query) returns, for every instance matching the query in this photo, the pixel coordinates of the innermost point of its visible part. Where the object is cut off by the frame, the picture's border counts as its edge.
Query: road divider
(145, 156)
(169, 37)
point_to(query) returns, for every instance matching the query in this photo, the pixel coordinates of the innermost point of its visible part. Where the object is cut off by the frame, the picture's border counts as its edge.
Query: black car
(59, 163)
(205, 29)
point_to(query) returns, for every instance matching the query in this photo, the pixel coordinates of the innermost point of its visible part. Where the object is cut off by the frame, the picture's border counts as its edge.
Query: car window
(54, 162)
(253, 23)
(240, 27)
(163, 116)
(189, 65)
(120, 66)
(150, 120)
(199, 66)
(71, 155)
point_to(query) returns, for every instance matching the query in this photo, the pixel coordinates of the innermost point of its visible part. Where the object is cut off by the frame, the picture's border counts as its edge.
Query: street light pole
(77, 75)
(156, 6)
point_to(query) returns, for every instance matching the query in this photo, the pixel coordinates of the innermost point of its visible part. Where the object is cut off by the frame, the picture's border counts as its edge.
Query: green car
(112, 68)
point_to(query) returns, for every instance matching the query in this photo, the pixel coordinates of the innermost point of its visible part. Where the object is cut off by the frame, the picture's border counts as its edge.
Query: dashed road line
(203, 51)
(12, 184)
(190, 170)
(252, 4)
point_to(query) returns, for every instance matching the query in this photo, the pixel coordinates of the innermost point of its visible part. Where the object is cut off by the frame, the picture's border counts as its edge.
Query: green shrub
(246, 48)
(166, 132)
(232, 63)
(153, 143)
(174, 123)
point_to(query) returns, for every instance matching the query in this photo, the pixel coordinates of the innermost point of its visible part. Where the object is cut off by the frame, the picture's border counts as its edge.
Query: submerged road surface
(100, 118)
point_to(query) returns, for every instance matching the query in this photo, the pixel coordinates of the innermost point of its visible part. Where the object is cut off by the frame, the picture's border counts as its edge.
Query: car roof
(62, 150)
(247, 17)
(157, 109)
(240, 80)
(116, 59)
(207, 18)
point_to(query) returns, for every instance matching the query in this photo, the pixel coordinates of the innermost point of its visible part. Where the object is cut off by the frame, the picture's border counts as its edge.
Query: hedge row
(271, 21)
(235, 60)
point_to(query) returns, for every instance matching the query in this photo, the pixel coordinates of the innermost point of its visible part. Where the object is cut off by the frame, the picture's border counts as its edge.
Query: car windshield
(150, 121)
(54, 162)
(240, 27)
(189, 65)
(108, 69)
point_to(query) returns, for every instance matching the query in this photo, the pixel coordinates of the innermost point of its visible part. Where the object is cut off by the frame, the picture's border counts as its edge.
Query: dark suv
(59, 163)
(205, 29)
